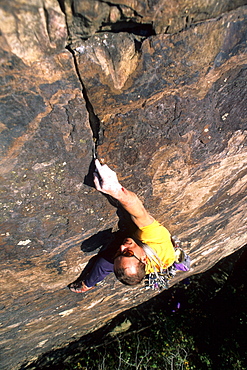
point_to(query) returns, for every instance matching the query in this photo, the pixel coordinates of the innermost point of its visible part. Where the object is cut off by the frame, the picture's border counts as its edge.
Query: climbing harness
(160, 279)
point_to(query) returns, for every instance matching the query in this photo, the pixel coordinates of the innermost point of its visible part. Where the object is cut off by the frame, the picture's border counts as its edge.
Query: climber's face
(128, 255)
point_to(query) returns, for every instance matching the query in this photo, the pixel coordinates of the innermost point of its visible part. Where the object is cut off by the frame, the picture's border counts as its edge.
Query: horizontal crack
(139, 29)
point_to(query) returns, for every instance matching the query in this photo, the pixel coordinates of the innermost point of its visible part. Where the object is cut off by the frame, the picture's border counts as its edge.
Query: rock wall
(161, 87)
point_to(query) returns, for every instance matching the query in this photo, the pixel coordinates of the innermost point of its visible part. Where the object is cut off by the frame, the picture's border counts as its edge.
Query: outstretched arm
(106, 181)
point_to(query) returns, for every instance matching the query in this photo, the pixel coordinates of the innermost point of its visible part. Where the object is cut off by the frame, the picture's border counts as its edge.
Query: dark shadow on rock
(107, 239)
(88, 179)
(125, 222)
(101, 239)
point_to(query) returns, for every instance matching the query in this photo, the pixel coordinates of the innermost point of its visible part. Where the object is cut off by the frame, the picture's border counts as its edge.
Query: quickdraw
(160, 280)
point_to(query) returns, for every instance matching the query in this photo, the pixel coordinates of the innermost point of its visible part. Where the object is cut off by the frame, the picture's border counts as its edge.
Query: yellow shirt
(159, 239)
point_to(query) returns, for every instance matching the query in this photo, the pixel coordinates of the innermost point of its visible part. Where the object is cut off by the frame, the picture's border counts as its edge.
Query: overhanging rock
(173, 112)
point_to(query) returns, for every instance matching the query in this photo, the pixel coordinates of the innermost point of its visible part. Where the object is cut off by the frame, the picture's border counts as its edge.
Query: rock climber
(130, 260)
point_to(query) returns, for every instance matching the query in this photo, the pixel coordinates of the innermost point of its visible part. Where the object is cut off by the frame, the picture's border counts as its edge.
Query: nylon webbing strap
(154, 258)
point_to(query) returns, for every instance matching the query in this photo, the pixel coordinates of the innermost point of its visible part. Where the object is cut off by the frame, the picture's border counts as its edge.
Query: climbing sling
(160, 279)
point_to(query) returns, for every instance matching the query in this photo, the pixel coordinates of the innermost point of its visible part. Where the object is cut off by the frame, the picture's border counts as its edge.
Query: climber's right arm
(107, 182)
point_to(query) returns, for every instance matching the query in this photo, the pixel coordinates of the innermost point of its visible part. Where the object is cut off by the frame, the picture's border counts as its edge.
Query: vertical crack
(94, 120)
(46, 16)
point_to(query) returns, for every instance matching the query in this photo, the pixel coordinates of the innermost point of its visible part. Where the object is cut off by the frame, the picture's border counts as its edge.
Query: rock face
(162, 89)
(140, 17)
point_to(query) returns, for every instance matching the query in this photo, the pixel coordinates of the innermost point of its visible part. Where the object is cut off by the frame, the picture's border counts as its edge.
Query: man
(130, 260)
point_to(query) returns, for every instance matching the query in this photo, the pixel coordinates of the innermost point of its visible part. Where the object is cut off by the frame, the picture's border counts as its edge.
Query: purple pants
(100, 269)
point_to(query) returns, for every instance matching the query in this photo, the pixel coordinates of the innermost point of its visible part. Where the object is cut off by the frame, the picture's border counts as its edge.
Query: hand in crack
(106, 180)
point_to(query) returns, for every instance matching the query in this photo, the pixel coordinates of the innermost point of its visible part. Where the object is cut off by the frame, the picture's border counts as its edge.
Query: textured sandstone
(141, 17)
(32, 30)
(173, 111)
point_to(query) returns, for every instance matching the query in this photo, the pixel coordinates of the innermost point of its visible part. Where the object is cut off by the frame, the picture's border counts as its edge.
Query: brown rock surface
(32, 30)
(141, 17)
(173, 111)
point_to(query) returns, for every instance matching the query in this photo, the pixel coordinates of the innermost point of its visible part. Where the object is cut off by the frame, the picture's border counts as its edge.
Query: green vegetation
(165, 346)
(139, 351)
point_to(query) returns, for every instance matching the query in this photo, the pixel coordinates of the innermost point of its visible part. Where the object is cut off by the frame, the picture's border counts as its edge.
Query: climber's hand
(106, 180)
